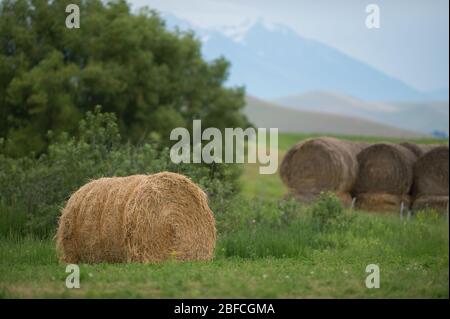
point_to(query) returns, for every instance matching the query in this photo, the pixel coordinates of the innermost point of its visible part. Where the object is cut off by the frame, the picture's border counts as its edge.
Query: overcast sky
(412, 43)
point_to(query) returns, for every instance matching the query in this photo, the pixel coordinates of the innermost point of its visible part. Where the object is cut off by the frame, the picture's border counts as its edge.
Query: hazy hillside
(274, 61)
(265, 114)
(424, 116)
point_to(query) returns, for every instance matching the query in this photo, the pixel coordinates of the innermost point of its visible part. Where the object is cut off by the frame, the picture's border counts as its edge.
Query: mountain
(266, 114)
(422, 116)
(274, 61)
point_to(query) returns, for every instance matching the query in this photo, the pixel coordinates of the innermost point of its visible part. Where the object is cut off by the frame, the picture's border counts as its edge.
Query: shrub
(244, 214)
(328, 213)
(152, 78)
(39, 186)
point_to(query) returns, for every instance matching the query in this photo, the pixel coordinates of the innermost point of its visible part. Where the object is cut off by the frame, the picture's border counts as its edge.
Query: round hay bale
(431, 173)
(385, 168)
(319, 165)
(382, 203)
(437, 203)
(418, 149)
(284, 169)
(385, 178)
(140, 218)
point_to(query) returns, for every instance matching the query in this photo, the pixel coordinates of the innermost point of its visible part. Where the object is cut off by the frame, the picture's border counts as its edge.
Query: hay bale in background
(437, 203)
(430, 188)
(385, 168)
(285, 168)
(382, 203)
(431, 173)
(140, 218)
(385, 172)
(418, 149)
(320, 165)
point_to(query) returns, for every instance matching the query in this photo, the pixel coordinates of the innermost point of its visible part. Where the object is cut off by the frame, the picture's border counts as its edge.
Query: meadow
(267, 248)
(149, 79)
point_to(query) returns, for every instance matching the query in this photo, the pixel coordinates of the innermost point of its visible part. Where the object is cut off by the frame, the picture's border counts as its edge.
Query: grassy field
(265, 249)
(292, 262)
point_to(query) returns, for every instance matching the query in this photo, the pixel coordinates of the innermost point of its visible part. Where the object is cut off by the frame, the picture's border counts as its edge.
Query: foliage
(151, 78)
(35, 189)
(327, 212)
(242, 213)
(254, 260)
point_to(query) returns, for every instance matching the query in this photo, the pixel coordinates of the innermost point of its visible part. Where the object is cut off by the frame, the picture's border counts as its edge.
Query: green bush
(39, 187)
(152, 78)
(328, 213)
(243, 214)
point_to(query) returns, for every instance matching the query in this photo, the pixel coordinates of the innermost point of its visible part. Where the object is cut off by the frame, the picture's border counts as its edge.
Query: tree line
(152, 78)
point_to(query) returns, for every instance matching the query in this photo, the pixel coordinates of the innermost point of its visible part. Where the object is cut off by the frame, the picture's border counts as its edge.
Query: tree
(151, 78)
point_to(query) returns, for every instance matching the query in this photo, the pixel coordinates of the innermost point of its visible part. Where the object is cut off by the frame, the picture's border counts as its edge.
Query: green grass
(292, 260)
(12, 221)
(265, 249)
(286, 140)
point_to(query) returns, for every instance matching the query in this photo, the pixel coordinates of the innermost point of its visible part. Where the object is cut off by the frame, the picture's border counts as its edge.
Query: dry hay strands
(437, 203)
(140, 218)
(318, 165)
(382, 203)
(431, 173)
(385, 172)
(385, 168)
(431, 179)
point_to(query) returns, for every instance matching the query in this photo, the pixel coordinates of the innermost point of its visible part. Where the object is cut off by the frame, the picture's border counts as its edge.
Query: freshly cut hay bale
(430, 188)
(385, 178)
(437, 203)
(385, 168)
(140, 218)
(320, 165)
(431, 173)
(382, 203)
(285, 168)
(419, 149)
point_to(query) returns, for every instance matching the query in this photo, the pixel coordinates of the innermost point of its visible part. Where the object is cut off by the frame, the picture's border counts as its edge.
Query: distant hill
(426, 116)
(265, 114)
(274, 61)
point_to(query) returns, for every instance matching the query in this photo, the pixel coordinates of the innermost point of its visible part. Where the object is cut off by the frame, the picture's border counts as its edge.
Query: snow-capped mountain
(273, 61)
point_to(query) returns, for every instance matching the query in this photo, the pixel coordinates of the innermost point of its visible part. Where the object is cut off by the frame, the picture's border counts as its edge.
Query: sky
(411, 44)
